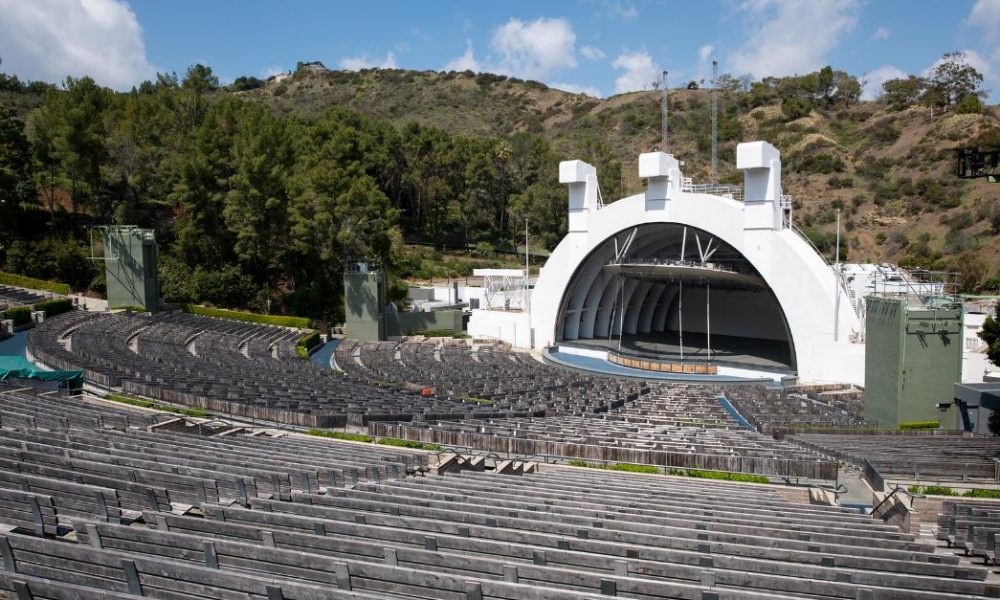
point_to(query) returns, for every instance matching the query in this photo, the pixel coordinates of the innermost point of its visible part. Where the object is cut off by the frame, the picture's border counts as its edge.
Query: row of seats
(679, 426)
(503, 379)
(241, 369)
(971, 526)
(772, 410)
(918, 456)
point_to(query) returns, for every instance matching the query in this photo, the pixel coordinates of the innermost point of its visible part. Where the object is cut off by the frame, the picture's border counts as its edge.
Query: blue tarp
(19, 366)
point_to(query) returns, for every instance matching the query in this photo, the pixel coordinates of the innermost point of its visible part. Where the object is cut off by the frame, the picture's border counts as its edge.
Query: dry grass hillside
(891, 173)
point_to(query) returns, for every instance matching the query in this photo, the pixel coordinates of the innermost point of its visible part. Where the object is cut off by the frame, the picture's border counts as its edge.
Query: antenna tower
(715, 122)
(663, 111)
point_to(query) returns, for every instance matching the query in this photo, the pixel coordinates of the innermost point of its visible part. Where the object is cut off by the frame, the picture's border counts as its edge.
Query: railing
(872, 475)
(730, 191)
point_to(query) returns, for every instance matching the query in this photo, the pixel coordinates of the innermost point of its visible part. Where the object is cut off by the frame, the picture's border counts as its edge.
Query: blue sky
(601, 47)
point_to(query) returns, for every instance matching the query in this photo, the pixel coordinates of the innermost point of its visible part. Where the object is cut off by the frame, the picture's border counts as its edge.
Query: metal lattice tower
(663, 112)
(715, 122)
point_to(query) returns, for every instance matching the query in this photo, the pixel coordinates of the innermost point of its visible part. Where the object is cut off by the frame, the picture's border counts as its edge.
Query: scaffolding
(504, 289)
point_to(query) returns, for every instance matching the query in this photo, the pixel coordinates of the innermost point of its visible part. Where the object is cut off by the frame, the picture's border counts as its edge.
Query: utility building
(130, 267)
(913, 359)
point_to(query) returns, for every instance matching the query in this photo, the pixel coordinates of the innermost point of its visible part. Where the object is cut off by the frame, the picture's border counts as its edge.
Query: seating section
(679, 425)
(252, 371)
(912, 457)
(972, 526)
(773, 411)
(11, 296)
(513, 380)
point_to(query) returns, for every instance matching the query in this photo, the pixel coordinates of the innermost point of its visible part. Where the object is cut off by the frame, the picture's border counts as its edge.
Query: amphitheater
(499, 495)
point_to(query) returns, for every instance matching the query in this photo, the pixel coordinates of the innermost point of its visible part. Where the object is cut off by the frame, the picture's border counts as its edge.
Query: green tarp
(18, 366)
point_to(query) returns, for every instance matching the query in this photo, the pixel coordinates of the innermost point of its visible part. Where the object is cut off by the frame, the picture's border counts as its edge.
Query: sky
(597, 47)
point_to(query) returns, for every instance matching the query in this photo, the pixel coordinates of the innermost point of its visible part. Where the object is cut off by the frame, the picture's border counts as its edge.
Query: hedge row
(188, 412)
(19, 314)
(235, 315)
(628, 468)
(34, 284)
(920, 424)
(940, 490)
(360, 437)
(55, 306)
(307, 343)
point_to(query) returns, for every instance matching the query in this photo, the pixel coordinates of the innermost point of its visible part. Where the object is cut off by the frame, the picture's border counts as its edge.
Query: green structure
(364, 303)
(913, 358)
(130, 267)
(368, 316)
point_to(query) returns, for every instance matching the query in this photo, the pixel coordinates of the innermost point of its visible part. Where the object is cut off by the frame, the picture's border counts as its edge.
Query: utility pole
(527, 273)
(715, 122)
(663, 112)
(836, 303)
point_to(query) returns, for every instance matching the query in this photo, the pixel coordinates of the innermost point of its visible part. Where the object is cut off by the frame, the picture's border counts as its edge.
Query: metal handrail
(896, 490)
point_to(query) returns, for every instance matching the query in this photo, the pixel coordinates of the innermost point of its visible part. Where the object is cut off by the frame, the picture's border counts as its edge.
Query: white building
(699, 273)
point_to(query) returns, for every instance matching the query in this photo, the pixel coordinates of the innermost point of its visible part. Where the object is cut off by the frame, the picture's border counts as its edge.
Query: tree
(991, 335)
(199, 78)
(244, 83)
(900, 94)
(953, 79)
(16, 168)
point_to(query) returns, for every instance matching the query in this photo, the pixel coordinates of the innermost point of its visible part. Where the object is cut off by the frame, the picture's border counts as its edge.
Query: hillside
(890, 172)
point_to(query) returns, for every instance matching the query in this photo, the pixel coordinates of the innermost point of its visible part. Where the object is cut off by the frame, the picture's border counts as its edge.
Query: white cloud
(986, 14)
(874, 79)
(791, 36)
(49, 39)
(466, 62)
(705, 52)
(357, 63)
(640, 72)
(592, 53)
(576, 89)
(536, 49)
(882, 33)
(618, 9)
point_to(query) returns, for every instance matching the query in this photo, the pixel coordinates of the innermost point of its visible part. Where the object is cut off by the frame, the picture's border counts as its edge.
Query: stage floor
(750, 353)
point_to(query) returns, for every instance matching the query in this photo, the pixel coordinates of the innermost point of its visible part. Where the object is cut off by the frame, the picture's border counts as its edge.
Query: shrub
(720, 475)
(19, 314)
(129, 308)
(307, 343)
(932, 490)
(339, 435)
(32, 283)
(235, 315)
(409, 444)
(909, 425)
(460, 335)
(981, 493)
(55, 306)
(626, 467)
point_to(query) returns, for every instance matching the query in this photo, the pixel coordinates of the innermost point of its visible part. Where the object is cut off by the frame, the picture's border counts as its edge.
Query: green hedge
(129, 308)
(627, 467)
(449, 333)
(720, 475)
(307, 343)
(360, 437)
(19, 314)
(920, 424)
(34, 284)
(235, 315)
(409, 444)
(339, 435)
(55, 306)
(940, 490)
